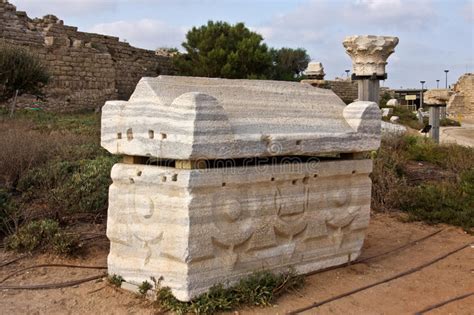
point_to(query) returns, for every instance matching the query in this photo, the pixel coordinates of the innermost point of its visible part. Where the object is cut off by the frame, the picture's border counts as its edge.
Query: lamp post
(421, 94)
(347, 72)
(446, 71)
(437, 84)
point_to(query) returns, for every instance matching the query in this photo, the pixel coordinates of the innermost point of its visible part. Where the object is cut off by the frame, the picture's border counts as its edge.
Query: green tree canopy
(219, 49)
(288, 63)
(20, 70)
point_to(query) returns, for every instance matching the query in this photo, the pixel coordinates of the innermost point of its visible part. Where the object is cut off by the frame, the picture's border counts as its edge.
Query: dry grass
(24, 148)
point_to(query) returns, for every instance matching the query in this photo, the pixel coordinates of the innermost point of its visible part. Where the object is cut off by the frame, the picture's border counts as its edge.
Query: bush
(407, 117)
(259, 289)
(447, 122)
(386, 174)
(448, 200)
(8, 213)
(20, 70)
(71, 186)
(444, 202)
(33, 235)
(43, 234)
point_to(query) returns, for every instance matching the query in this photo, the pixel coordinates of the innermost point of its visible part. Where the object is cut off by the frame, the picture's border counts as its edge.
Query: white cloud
(399, 14)
(145, 33)
(468, 11)
(61, 8)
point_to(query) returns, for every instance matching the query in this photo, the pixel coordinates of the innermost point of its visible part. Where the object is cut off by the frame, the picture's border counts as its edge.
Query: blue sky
(434, 34)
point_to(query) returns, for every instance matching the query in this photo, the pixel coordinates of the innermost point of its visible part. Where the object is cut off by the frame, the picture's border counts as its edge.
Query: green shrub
(259, 289)
(20, 70)
(86, 190)
(115, 280)
(407, 117)
(144, 287)
(449, 200)
(443, 202)
(447, 122)
(64, 243)
(8, 210)
(452, 157)
(33, 235)
(71, 186)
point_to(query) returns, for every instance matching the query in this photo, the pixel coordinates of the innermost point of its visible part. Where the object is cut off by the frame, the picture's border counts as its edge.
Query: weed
(115, 280)
(447, 122)
(65, 243)
(259, 289)
(144, 287)
(448, 200)
(407, 117)
(8, 210)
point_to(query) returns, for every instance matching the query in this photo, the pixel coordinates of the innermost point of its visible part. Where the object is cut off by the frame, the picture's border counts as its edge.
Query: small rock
(394, 119)
(392, 102)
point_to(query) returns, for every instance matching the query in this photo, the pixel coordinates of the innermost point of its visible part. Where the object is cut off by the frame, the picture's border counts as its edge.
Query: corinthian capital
(369, 53)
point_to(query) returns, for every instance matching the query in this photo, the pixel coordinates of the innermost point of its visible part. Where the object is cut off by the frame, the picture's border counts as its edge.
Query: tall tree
(219, 49)
(288, 63)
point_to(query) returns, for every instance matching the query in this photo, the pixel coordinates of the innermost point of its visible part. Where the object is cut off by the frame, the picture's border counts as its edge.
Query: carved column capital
(369, 53)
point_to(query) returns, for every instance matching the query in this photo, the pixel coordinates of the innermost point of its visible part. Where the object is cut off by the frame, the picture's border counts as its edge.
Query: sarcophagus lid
(188, 118)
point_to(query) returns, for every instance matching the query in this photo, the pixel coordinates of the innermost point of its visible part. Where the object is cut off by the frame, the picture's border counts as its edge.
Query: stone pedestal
(369, 56)
(436, 100)
(315, 71)
(227, 177)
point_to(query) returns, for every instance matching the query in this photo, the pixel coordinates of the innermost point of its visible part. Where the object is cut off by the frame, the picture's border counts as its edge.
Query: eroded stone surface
(203, 118)
(197, 228)
(436, 97)
(461, 103)
(369, 53)
(315, 70)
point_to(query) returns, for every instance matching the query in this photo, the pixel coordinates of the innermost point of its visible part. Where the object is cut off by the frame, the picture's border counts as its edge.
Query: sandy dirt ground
(463, 135)
(441, 281)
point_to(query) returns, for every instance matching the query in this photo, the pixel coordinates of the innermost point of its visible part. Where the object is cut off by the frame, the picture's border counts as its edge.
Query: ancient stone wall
(346, 89)
(86, 69)
(461, 103)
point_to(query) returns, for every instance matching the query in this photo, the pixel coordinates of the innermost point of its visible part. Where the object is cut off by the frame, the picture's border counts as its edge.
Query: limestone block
(437, 96)
(315, 70)
(392, 102)
(188, 118)
(387, 112)
(200, 227)
(235, 185)
(394, 119)
(369, 53)
(392, 129)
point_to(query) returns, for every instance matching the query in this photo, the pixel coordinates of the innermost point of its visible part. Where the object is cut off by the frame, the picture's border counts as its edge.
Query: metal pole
(421, 94)
(437, 84)
(446, 71)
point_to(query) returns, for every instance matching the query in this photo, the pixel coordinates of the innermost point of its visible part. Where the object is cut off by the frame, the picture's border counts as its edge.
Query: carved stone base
(200, 227)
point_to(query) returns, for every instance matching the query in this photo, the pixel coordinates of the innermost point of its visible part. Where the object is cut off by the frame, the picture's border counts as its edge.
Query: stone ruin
(461, 103)
(315, 71)
(222, 178)
(86, 69)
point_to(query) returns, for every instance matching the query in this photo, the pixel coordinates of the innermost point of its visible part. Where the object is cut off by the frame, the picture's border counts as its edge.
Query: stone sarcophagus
(222, 178)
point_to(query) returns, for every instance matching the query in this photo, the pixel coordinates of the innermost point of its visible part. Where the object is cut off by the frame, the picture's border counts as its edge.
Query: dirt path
(445, 279)
(463, 135)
